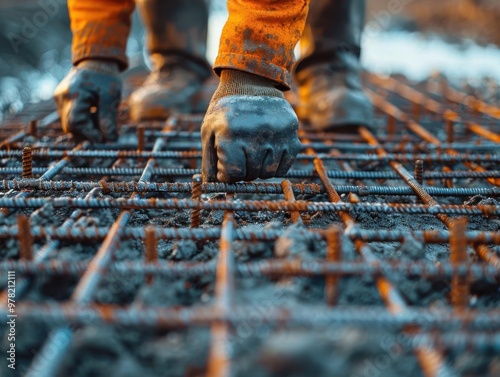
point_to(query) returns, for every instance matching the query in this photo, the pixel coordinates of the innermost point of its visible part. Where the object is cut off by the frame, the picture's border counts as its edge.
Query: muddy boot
(176, 39)
(328, 77)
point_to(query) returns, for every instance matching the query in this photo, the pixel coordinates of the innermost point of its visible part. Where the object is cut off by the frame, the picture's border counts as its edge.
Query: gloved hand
(249, 130)
(91, 84)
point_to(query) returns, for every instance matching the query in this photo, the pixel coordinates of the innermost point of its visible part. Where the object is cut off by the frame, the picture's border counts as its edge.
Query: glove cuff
(108, 67)
(240, 83)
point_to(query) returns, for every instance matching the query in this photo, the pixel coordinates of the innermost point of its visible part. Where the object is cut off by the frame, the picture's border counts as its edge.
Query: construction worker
(249, 130)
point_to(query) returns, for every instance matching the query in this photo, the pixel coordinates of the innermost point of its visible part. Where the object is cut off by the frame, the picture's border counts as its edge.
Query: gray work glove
(249, 130)
(92, 84)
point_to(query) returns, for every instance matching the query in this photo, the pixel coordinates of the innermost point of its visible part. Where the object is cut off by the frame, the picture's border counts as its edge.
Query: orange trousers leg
(259, 37)
(100, 29)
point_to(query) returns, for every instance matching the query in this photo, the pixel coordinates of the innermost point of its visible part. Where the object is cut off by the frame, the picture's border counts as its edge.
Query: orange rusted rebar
(219, 362)
(391, 126)
(419, 172)
(416, 110)
(430, 359)
(196, 192)
(141, 140)
(25, 238)
(290, 197)
(151, 248)
(484, 132)
(458, 255)
(333, 254)
(486, 254)
(27, 163)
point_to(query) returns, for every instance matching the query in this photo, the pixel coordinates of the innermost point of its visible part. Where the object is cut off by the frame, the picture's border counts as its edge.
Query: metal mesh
(407, 209)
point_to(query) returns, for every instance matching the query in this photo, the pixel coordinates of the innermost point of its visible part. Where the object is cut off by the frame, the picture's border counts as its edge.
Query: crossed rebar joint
(359, 195)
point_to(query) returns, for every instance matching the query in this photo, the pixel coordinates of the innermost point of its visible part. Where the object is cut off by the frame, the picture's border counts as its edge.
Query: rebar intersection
(430, 158)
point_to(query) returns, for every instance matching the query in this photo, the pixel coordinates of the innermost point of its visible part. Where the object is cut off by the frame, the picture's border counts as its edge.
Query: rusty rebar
(429, 358)
(391, 126)
(484, 132)
(333, 254)
(141, 140)
(48, 366)
(367, 317)
(416, 111)
(419, 172)
(196, 192)
(432, 333)
(458, 254)
(219, 362)
(151, 248)
(88, 234)
(290, 197)
(166, 172)
(430, 208)
(271, 268)
(449, 115)
(486, 254)
(27, 161)
(25, 238)
(362, 157)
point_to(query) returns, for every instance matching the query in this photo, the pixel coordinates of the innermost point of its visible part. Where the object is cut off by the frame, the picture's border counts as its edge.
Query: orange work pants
(259, 36)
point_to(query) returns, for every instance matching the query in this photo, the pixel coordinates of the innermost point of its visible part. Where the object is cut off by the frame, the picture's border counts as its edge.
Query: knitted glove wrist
(108, 67)
(240, 83)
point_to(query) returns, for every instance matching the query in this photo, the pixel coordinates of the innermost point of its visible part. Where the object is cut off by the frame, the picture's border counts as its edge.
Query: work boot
(176, 34)
(329, 76)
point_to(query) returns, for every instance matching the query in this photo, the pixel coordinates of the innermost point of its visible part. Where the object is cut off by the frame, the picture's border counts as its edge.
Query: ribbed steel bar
(147, 173)
(427, 236)
(72, 233)
(171, 318)
(460, 286)
(89, 281)
(333, 254)
(461, 341)
(431, 332)
(262, 268)
(219, 360)
(175, 187)
(432, 106)
(47, 175)
(43, 366)
(58, 166)
(42, 254)
(416, 97)
(427, 157)
(488, 255)
(405, 175)
(430, 360)
(473, 103)
(251, 205)
(286, 185)
(165, 172)
(458, 254)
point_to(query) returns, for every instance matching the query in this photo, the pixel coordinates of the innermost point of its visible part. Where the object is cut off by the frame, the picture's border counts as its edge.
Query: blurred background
(456, 38)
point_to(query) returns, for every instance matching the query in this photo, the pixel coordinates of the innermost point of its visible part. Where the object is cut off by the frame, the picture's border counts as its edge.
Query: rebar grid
(423, 146)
